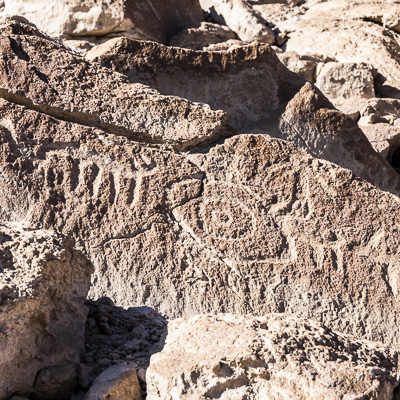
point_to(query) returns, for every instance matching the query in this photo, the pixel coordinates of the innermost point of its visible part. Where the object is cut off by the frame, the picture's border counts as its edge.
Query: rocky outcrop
(50, 79)
(152, 19)
(275, 357)
(230, 81)
(43, 285)
(343, 31)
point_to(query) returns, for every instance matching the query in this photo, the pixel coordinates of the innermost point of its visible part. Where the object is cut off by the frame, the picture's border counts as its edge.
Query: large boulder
(273, 357)
(152, 19)
(43, 286)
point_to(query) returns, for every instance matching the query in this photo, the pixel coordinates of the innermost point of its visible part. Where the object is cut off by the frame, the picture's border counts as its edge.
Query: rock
(310, 121)
(50, 79)
(86, 376)
(153, 19)
(228, 81)
(274, 357)
(115, 383)
(302, 65)
(253, 225)
(239, 16)
(202, 37)
(384, 138)
(43, 285)
(342, 81)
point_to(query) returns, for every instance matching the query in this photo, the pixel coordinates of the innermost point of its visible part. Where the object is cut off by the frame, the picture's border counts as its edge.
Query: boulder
(310, 121)
(152, 19)
(343, 81)
(43, 285)
(302, 65)
(270, 357)
(240, 17)
(52, 80)
(116, 383)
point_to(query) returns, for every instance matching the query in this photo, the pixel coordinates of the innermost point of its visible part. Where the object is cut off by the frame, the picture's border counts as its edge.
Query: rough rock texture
(202, 37)
(255, 225)
(151, 19)
(302, 65)
(342, 81)
(50, 79)
(115, 383)
(343, 31)
(43, 285)
(310, 121)
(240, 17)
(228, 81)
(274, 357)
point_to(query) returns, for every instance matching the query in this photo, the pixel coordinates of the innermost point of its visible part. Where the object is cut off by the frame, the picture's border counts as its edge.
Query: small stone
(142, 374)
(114, 356)
(103, 362)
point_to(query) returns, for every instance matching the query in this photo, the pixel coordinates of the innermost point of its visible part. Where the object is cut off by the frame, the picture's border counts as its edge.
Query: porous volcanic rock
(228, 81)
(43, 286)
(273, 357)
(50, 79)
(151, 19)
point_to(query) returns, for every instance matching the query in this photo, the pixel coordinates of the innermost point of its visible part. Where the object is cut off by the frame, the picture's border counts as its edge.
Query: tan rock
(343, 31)
(310, 121)
(302, 65)
(240, 17)
(48, 78)
(271, 357)
(384, 138)
(115, 383)
(340, 81)
(205, 35)
(153, 19)
(43, 285)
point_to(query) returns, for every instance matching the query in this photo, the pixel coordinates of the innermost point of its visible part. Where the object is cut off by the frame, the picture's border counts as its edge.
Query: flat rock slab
(272, 357)
(43, 286)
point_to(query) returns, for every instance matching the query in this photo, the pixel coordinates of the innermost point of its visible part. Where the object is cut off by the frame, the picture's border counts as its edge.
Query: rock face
(151, 19)
(255, 225)
(52, 80)
(273, 357)
(230, 81)
(43, 284)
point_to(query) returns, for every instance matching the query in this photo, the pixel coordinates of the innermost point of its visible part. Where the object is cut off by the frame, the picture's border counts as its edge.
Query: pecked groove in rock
(48, 78)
